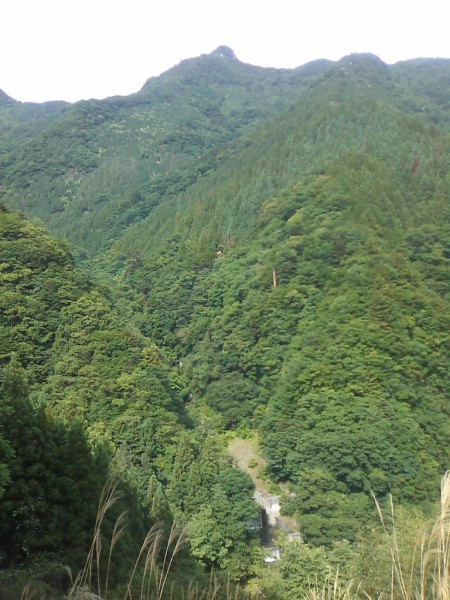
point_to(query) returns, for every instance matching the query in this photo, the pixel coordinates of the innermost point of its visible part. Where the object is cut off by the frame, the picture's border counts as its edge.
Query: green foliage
(93, 168)
(50, 499)
(310, 572)
(274, 252)
(38, 279)
(215, 499)
(301, 286)
(233, 396)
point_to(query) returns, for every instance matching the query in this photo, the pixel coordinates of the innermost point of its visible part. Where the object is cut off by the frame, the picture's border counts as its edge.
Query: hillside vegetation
(86, 397)
(254, 249)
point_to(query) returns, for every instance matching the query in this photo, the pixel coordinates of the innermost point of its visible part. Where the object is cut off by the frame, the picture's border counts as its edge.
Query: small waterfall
(272, 522)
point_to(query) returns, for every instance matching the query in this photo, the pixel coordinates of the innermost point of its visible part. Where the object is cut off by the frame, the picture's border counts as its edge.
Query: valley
(246, 454)
(230, 285)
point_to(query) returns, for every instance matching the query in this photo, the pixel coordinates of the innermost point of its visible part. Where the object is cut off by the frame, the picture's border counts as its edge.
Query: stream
(245, 452)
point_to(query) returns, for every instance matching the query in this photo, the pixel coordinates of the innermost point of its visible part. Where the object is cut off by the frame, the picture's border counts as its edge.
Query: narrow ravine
(246, 454)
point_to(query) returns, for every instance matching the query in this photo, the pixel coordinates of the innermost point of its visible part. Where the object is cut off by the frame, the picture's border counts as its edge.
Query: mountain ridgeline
(244, 249)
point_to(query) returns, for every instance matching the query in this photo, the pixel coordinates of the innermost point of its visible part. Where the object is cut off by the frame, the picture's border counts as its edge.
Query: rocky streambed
(245, 452)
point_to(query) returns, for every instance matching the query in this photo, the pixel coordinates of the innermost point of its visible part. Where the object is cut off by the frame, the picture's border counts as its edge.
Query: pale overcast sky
(73, 49)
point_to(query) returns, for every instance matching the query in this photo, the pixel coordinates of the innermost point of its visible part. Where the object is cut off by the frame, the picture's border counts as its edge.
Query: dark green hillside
(51, 475)
(49, 497)
(68, 334)
(20, 123)
(38, 278)
(24, 119)
(429, 80)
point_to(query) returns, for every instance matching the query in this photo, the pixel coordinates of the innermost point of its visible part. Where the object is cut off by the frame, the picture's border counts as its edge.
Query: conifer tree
(50, 500)
(179, 483)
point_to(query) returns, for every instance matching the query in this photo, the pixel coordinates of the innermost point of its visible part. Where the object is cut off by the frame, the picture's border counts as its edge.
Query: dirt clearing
(246, 453)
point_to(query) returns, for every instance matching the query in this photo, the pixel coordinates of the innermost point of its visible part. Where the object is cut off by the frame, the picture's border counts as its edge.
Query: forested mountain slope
(303, 285)
(102, 165)
(275, 246)
(84, 395)
(354, 106)
(52, 477)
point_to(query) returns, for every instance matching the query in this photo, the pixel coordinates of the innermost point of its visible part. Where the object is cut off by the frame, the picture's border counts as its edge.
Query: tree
(50, 500)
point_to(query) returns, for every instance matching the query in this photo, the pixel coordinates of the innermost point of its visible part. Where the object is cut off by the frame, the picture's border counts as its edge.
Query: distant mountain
(4, 98)
(101, 165)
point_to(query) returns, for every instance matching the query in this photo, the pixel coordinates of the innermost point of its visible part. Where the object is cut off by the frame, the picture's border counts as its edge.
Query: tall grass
(428, 577)
(412, 572)
(153, 563)
(421, 572)
(149, 577)
(435, 559)
(418, 572)
(333, 589)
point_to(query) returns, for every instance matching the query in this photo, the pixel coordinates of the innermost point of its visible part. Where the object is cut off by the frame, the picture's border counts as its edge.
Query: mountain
(302, 285)
(20, 121)
(271, 255)
(102, 165)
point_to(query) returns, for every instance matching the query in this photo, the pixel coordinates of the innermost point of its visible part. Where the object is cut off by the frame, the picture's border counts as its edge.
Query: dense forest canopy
(231, 248)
